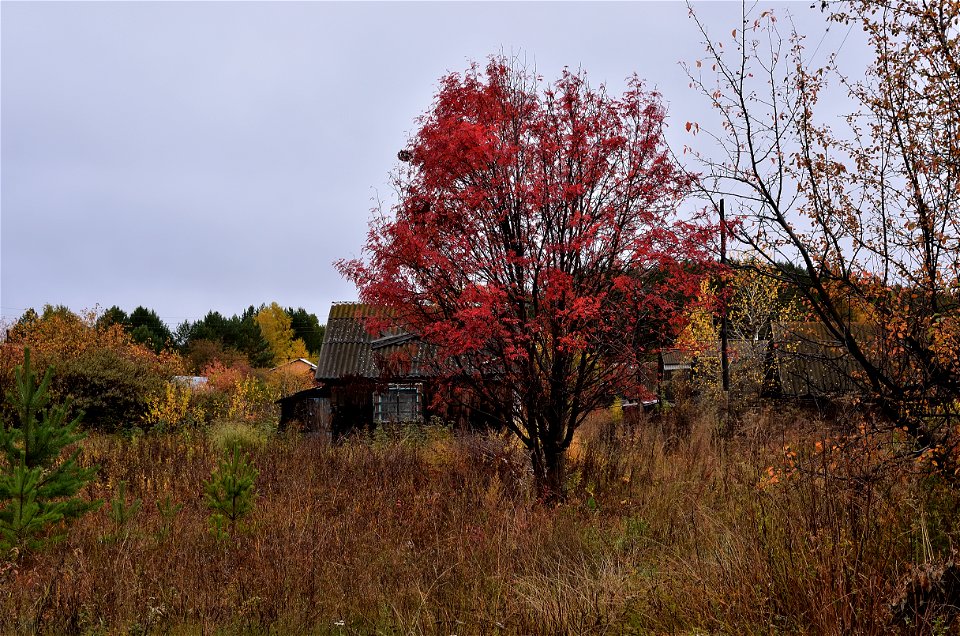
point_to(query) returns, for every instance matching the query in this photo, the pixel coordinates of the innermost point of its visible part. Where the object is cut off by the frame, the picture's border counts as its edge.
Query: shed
(386, 377)
(309, 409)
(746, 358)
(811, 362)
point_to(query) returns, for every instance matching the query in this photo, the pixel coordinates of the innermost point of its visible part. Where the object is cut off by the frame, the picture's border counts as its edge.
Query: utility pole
(724, 361)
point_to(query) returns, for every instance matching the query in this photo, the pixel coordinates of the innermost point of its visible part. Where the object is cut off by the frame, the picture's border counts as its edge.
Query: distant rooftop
(192, 381)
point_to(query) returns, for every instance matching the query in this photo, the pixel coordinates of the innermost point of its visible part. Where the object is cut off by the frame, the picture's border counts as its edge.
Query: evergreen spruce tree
(37, 488)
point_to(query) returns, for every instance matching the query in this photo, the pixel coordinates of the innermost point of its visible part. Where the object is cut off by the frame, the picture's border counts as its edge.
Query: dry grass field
(673, 524)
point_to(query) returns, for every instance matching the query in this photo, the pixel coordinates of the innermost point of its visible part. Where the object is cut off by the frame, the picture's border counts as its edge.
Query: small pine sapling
(122, 512)
(168, 512)
(230, 493)
(37, 489)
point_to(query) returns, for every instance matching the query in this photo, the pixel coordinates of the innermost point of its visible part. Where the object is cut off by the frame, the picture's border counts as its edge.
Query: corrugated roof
(388, 341)
(348, 346)
(674, 359)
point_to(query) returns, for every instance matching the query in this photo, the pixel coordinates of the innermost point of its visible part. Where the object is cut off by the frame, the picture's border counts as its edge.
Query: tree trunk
(548, 473)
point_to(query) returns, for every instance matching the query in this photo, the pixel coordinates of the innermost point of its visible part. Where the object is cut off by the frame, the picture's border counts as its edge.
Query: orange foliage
(60, 336)
(222, 377)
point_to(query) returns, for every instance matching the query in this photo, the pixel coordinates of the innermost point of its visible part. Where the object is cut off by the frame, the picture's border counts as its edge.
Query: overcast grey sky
(197, 156)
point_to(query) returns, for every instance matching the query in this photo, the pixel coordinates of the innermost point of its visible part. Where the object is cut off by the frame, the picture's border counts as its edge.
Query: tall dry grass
(680, 524)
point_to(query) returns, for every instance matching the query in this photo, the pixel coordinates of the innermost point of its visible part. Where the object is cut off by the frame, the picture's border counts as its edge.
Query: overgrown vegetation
(865, 205)
(725, 512)
(125, 384)
(787, 525)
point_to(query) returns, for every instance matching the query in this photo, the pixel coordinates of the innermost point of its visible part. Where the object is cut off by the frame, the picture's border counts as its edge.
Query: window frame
(386, 410)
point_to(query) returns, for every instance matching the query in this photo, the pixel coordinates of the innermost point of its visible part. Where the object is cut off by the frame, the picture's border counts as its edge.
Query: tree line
(262, 336)
(120, 369)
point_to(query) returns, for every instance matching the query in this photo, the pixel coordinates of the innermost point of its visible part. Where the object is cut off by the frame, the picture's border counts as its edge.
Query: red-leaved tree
(536, 248)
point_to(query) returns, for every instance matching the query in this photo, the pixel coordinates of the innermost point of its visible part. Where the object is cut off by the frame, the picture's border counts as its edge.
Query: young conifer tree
(37, 488)
(230, 493)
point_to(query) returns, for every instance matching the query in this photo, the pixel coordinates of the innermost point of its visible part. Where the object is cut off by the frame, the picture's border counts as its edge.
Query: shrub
(178, 405)
(223, 377)
(98, 364)
(111, 388)
(251, 400)
(282, 382)
(201, 353)
(227, 435)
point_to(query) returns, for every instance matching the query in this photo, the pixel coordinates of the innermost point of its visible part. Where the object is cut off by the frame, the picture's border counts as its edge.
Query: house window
(399, 403)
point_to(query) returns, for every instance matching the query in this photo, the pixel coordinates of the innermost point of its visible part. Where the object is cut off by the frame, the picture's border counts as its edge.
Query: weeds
(757, 530)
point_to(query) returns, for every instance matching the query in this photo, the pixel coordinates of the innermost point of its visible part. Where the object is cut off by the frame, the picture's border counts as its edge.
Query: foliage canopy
(867, 205)
(535, 246)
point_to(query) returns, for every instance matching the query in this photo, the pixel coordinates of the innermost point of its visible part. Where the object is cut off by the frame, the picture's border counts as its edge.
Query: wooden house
(363, 379)
(367, 379)
(300, 366)
(748, 359)
(372, 378)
